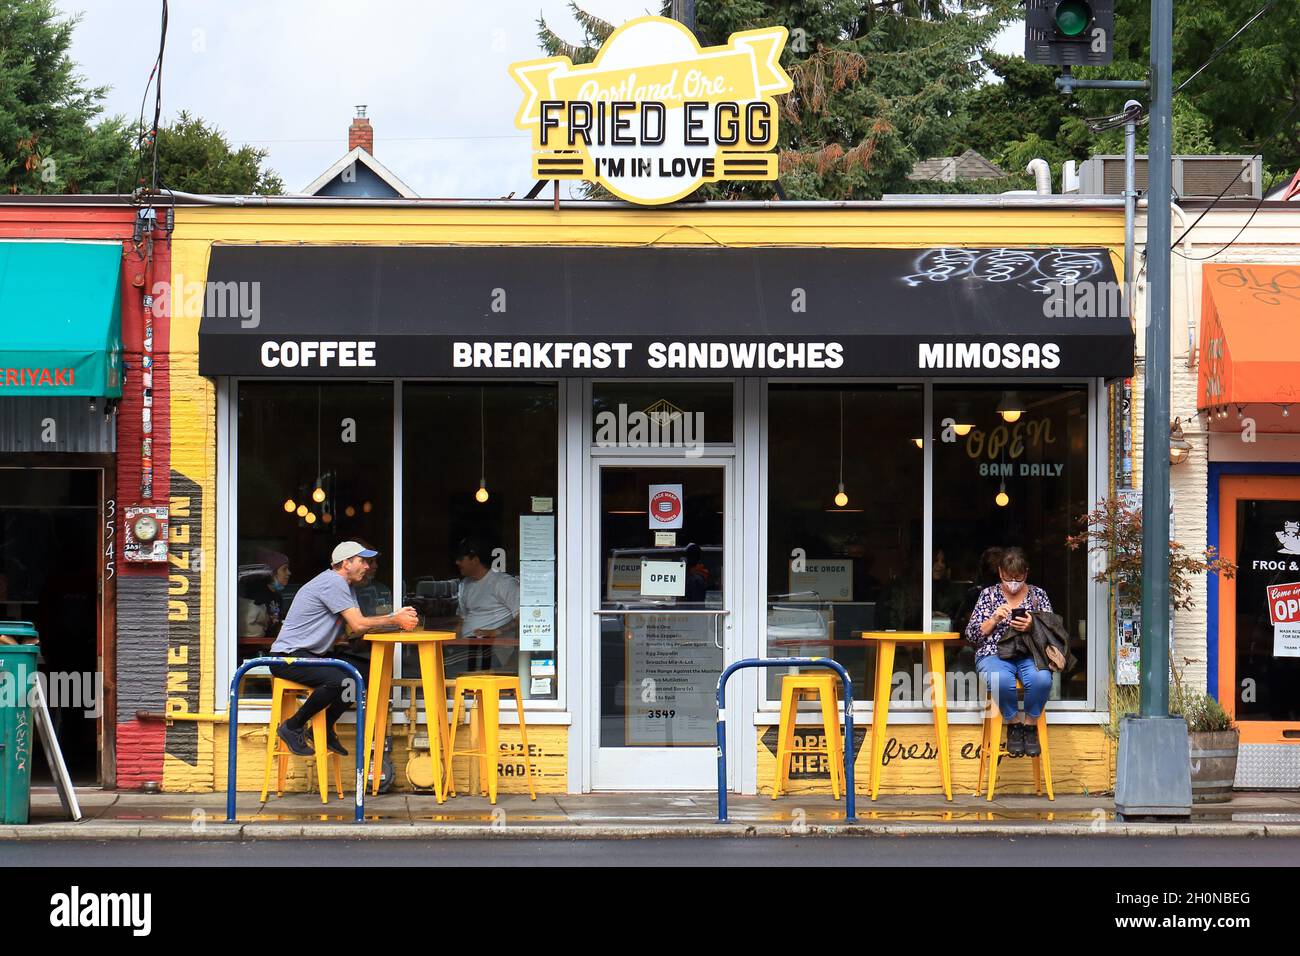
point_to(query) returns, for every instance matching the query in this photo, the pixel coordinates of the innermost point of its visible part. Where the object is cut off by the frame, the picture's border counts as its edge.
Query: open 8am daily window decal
(655, 115)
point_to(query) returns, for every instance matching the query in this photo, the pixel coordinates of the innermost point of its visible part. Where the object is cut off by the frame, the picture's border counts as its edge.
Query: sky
(286, 76)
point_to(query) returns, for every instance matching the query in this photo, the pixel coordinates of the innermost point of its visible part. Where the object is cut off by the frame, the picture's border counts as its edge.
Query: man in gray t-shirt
(315, 621)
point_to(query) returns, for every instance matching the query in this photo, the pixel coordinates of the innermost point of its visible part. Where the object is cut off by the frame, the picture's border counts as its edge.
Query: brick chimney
(360, 132)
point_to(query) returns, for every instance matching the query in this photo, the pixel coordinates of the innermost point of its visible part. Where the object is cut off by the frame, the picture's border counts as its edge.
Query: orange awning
(1250, 335)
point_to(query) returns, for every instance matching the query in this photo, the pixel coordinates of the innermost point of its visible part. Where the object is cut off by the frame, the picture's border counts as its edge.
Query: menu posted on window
(1284, 613)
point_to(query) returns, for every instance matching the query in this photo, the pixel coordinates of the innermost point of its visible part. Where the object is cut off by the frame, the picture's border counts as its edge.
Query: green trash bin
(17, 729)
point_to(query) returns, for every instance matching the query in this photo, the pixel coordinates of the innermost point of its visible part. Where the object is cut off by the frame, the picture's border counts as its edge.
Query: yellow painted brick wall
(1082, 761)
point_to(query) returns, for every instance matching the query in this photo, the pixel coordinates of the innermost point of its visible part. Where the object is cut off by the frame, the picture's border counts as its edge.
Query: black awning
(551, 311)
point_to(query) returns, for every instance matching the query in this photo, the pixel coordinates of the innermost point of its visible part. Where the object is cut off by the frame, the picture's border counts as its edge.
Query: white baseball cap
(350, 549)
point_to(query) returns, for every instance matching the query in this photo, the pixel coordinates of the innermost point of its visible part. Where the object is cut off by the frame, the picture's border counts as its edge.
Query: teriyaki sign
(656, 115)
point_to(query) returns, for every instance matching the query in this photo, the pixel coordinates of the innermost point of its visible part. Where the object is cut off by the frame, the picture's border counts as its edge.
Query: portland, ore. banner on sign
(656, 115)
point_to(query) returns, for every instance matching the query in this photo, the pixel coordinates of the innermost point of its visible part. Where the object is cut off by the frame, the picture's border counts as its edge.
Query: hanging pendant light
(1002, 499)
(841, 499)
(290, 506)
(481, 496)
(1180, 449)
(961, 421)
(318, 493)
(1011, 407)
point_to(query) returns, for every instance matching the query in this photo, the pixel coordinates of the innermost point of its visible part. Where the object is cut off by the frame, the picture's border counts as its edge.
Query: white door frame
(654, 768)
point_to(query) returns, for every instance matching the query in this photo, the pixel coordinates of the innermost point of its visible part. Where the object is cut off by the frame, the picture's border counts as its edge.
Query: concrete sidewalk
(113, 815)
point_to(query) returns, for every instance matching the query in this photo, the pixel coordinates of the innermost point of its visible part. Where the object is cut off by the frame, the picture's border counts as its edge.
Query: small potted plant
(1212, 742)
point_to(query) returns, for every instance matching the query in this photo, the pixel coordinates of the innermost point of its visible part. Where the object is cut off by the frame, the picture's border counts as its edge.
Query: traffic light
(1069, 32)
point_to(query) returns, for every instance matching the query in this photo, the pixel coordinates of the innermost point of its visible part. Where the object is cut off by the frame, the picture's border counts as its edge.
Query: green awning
(60, 318)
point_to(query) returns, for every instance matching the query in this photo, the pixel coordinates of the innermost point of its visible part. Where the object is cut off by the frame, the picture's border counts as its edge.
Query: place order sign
(655, 115)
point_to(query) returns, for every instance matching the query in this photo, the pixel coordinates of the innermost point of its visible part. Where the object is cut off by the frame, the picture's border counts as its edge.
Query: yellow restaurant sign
(655, 114)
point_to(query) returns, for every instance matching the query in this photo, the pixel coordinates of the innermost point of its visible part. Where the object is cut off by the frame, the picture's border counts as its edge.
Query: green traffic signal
(1072, 17)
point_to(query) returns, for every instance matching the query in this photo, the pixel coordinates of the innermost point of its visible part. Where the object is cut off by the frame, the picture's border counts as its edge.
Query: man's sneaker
(334, 745)
(1016, 740)
(1032, 747)
(295, 741)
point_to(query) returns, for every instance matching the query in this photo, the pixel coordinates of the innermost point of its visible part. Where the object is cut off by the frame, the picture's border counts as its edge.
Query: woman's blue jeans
(999, 678)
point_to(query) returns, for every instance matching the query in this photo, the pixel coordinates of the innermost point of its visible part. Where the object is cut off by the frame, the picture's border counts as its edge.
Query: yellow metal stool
(993, 734)
(797, 687)
(281, 691)
(487, 690)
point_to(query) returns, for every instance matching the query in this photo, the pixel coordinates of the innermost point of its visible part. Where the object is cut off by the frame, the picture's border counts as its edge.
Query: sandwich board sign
(656, 115)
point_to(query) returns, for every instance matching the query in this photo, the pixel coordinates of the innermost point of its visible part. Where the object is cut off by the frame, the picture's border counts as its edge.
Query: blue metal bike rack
(850, 799)
(233, 746)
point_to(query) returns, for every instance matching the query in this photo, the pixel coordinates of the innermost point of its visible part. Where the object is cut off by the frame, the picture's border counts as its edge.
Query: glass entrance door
(661, 621)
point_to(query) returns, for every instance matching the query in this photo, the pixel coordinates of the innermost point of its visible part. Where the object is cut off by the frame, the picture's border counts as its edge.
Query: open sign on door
(665, 507)
(1284, 603)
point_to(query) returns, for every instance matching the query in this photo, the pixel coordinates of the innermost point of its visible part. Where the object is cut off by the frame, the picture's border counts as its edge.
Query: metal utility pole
(1153, 773)
(684, 12)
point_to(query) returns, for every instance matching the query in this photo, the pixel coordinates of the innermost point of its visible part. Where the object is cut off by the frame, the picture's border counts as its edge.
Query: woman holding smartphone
(1010, 604)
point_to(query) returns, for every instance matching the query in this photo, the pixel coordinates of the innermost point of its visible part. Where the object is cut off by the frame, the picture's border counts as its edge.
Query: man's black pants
(330, 687)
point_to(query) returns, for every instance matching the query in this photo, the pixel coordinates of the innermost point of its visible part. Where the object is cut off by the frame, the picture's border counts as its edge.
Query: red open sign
(1284, 603)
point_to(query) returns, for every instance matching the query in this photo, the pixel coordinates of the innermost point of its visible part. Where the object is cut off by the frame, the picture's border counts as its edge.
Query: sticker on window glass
(1284, 612)
(665, 507)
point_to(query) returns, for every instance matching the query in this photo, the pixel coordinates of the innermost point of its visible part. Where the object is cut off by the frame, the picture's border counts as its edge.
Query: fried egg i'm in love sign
(655, 115)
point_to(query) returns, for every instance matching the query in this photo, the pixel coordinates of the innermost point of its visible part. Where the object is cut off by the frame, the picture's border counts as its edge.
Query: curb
(248, 832)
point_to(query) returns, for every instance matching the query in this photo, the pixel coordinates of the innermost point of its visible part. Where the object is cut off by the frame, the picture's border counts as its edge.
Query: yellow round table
(886, 643)
(379, 689)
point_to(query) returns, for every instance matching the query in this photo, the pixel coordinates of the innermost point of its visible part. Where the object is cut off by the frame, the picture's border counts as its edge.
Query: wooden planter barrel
(1214, 765)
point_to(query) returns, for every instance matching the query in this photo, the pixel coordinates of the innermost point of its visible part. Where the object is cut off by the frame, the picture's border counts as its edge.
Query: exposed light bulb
(366, 506)
(350, 511)
(1286, 411)
(318, 495)
(290, 506)
(918, 442)
(841, 499)
(311, 517)
(302, 511)
(326, 518)
(481, 496)
(962, 429)
(1002, 498)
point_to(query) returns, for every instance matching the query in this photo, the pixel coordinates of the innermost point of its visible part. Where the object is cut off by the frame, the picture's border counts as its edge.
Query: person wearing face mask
(260, 597)
(1010, 604)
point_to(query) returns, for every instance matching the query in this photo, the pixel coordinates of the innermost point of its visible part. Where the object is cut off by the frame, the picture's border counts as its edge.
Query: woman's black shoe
(1032, 747)
(334, 745)
(295, 741)
(1016, 740)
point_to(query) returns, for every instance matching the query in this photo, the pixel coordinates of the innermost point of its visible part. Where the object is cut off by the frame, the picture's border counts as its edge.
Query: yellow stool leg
(984, 754)
(1047, 754)
(338, 774)
(880, 708)
(271, 739)
(785, 738)
(434, 710)
(839, 739)
(939, 694)
(283, 768)
(523, 737)
(995, 746)
(830, 730)
(322, 755)
(451, 751)
(491, 739)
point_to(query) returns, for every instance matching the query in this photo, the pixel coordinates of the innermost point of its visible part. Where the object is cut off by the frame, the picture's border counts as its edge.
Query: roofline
(919, 201)
(367, 159)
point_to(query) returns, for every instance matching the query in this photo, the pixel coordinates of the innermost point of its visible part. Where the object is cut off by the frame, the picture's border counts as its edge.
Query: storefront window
(1267, 633)
(631, 415)
(315, 467)
(837, 567)
(480, 507)
(1010, 470)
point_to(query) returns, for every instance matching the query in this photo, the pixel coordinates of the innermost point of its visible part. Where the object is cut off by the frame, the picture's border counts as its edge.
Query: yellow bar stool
(993, 732)
(487, 690)
(285, 692)
(821, 687)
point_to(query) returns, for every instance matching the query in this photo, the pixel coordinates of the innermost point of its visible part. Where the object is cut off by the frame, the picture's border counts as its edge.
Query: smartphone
(1019, 612)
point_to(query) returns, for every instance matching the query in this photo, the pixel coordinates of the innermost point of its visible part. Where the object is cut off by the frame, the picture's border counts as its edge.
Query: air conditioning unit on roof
(1194, 176)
